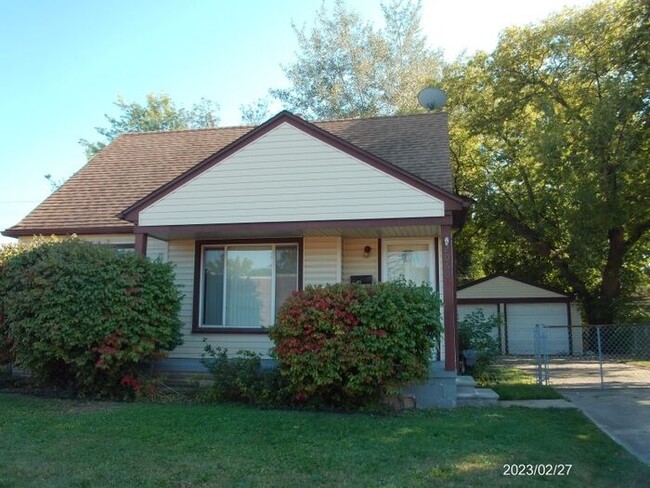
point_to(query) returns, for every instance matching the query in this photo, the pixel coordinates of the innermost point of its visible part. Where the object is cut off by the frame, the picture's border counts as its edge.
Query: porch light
(366, 251)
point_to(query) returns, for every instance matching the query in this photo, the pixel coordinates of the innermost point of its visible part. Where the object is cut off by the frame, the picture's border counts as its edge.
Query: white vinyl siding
(488, 309)
(111, 239)
(355, 263)
(500, 287)
(156, 249)
(322, 260)
(576, 333)
(286, 176)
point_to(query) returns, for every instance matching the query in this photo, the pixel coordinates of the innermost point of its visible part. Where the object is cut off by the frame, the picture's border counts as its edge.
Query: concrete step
(465, 384)
(465, 381)
(480, 397)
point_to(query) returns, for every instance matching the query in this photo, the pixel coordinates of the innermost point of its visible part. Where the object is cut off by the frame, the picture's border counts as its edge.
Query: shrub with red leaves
(344, 345)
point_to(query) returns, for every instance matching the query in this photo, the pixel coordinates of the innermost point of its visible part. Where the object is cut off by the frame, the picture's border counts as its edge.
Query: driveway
(621, 409)
(622, 413)
(577, 372)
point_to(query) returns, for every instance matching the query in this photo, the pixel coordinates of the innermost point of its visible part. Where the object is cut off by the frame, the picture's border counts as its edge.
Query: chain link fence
(600, 356)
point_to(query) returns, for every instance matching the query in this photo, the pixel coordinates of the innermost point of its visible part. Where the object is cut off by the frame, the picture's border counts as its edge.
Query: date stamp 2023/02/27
(537, 469)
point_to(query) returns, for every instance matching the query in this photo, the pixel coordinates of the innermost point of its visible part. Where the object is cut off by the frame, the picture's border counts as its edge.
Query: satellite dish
(432, 98)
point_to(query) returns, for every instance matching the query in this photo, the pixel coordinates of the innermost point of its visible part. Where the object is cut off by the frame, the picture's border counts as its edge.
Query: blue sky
(64, 63)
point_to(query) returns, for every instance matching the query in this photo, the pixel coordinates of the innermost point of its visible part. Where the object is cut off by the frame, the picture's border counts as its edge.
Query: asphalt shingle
(134, 165)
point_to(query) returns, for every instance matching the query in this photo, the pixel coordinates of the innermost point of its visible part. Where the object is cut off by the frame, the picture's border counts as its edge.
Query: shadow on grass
(138, 444)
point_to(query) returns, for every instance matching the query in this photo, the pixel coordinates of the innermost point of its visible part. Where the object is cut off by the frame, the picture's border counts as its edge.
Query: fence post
(600, 356)
(538, 353)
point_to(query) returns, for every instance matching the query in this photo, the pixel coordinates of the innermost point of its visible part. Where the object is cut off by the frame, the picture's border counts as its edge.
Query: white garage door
(521, 320)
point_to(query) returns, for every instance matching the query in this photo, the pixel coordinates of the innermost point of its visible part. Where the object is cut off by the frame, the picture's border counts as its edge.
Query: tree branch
(548, 250)
(636, 233)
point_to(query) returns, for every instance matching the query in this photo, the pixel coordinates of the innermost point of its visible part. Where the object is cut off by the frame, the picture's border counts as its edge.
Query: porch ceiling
(378, 232)
(387, 232)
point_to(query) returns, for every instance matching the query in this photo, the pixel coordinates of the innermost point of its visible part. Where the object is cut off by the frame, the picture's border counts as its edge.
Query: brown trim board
(449, 299)
(141, 244)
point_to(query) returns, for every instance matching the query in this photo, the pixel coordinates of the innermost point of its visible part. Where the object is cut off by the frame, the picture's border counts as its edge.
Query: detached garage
(521, 306)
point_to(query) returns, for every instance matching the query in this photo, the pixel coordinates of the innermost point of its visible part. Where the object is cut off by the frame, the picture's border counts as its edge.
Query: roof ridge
(248, 126)
(174, 131)
(375, 117)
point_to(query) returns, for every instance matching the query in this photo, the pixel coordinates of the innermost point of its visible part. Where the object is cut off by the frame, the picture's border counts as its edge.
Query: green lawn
(640, 362)
(514, 384)
(46, 442)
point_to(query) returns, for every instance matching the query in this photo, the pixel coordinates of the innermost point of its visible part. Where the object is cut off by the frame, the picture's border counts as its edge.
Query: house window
(410, 260)
(123, 249)
(245, 285)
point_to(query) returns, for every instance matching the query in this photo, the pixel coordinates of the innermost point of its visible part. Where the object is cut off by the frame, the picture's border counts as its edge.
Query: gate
(603, 356)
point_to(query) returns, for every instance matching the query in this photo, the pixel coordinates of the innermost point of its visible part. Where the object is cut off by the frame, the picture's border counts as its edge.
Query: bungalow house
(277, 207)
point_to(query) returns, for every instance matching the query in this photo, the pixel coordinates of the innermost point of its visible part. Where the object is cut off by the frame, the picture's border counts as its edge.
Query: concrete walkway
(557, 403)
(622, 413)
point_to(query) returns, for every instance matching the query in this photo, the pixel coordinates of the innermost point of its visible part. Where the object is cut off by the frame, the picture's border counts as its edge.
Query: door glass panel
(410, 261)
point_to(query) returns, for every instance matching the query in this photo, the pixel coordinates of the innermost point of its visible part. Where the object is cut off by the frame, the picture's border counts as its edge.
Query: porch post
(449, 298)
(141, 244)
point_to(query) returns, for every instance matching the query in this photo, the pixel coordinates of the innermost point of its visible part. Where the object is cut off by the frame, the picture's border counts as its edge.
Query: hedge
(80, 316)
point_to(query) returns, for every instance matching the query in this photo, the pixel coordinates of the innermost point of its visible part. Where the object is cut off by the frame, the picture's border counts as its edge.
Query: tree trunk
(598, 310)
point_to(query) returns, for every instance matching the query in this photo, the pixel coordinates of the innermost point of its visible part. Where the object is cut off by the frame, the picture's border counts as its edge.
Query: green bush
(6, 349)
(240, 378)
(82, 317)
(348, 345)
(475, 332)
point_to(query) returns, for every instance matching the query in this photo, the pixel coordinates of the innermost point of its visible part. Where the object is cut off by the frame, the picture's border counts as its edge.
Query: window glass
(410, 261)
(249, 287)
(213, 276)
(244, 286)
(286, 273)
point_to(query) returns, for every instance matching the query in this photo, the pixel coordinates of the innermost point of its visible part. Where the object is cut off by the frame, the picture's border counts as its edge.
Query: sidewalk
(558, 403)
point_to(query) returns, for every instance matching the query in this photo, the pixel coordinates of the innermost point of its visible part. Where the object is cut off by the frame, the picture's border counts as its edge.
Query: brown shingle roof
(134, 165)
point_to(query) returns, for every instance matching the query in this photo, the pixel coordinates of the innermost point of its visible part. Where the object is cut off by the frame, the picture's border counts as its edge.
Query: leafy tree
(255, 113)
(160, 113)
(550, 139)
(347, 68)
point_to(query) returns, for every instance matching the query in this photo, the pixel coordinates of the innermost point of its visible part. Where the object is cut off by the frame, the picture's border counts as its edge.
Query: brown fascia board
(452, 202)
(63, 231)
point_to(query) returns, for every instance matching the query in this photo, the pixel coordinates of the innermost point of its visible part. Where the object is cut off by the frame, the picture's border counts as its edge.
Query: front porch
(326, 253)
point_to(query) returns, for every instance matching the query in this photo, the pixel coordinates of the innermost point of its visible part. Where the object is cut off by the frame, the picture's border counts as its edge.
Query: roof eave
(49, 231)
